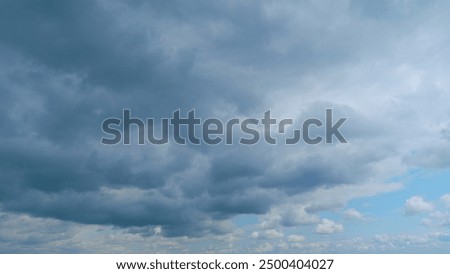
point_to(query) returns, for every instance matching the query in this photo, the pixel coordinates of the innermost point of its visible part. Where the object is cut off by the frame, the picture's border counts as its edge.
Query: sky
(66, 66)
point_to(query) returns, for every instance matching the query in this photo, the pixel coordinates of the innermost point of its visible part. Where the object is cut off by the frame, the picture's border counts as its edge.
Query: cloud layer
(69, 65)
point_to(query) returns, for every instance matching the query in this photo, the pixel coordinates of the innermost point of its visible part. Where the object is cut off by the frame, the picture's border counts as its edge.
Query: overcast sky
(68, 65)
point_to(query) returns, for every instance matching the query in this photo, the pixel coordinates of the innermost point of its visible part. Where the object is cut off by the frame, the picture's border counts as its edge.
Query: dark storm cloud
(251, 166)
(132, 64)
(79, 37)
(67, 65)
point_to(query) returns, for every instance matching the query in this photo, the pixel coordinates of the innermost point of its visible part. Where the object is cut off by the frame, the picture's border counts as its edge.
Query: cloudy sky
(68, 65)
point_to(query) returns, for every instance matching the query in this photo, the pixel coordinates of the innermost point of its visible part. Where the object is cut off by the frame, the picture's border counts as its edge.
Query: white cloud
(352, 213)
(157, 230)
(267, 234)
(328, 227)
(296, 238)
(417, 204)
(446, 199)
(400, 240)
(297, 215)
(265, 247)
(437, 219)
(319, 199)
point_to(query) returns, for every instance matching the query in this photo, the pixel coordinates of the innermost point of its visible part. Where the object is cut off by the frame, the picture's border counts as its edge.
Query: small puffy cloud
(446, 199)
(157, 230)
(298, 216)
(417, 204)
(401, 241)
(437, 219)
(354, 214)
(296, 238)
(267, 234)
(328, 227)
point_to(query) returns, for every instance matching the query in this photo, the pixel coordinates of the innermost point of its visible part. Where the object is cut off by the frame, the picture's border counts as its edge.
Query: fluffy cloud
(328, 227)
(267, 234)
(352, 213)
(296, 238)
(417, 204)
(446, 200)
(437, 219)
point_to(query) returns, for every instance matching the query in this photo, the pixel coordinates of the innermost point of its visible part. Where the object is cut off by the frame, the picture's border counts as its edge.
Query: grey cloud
(69, 65)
